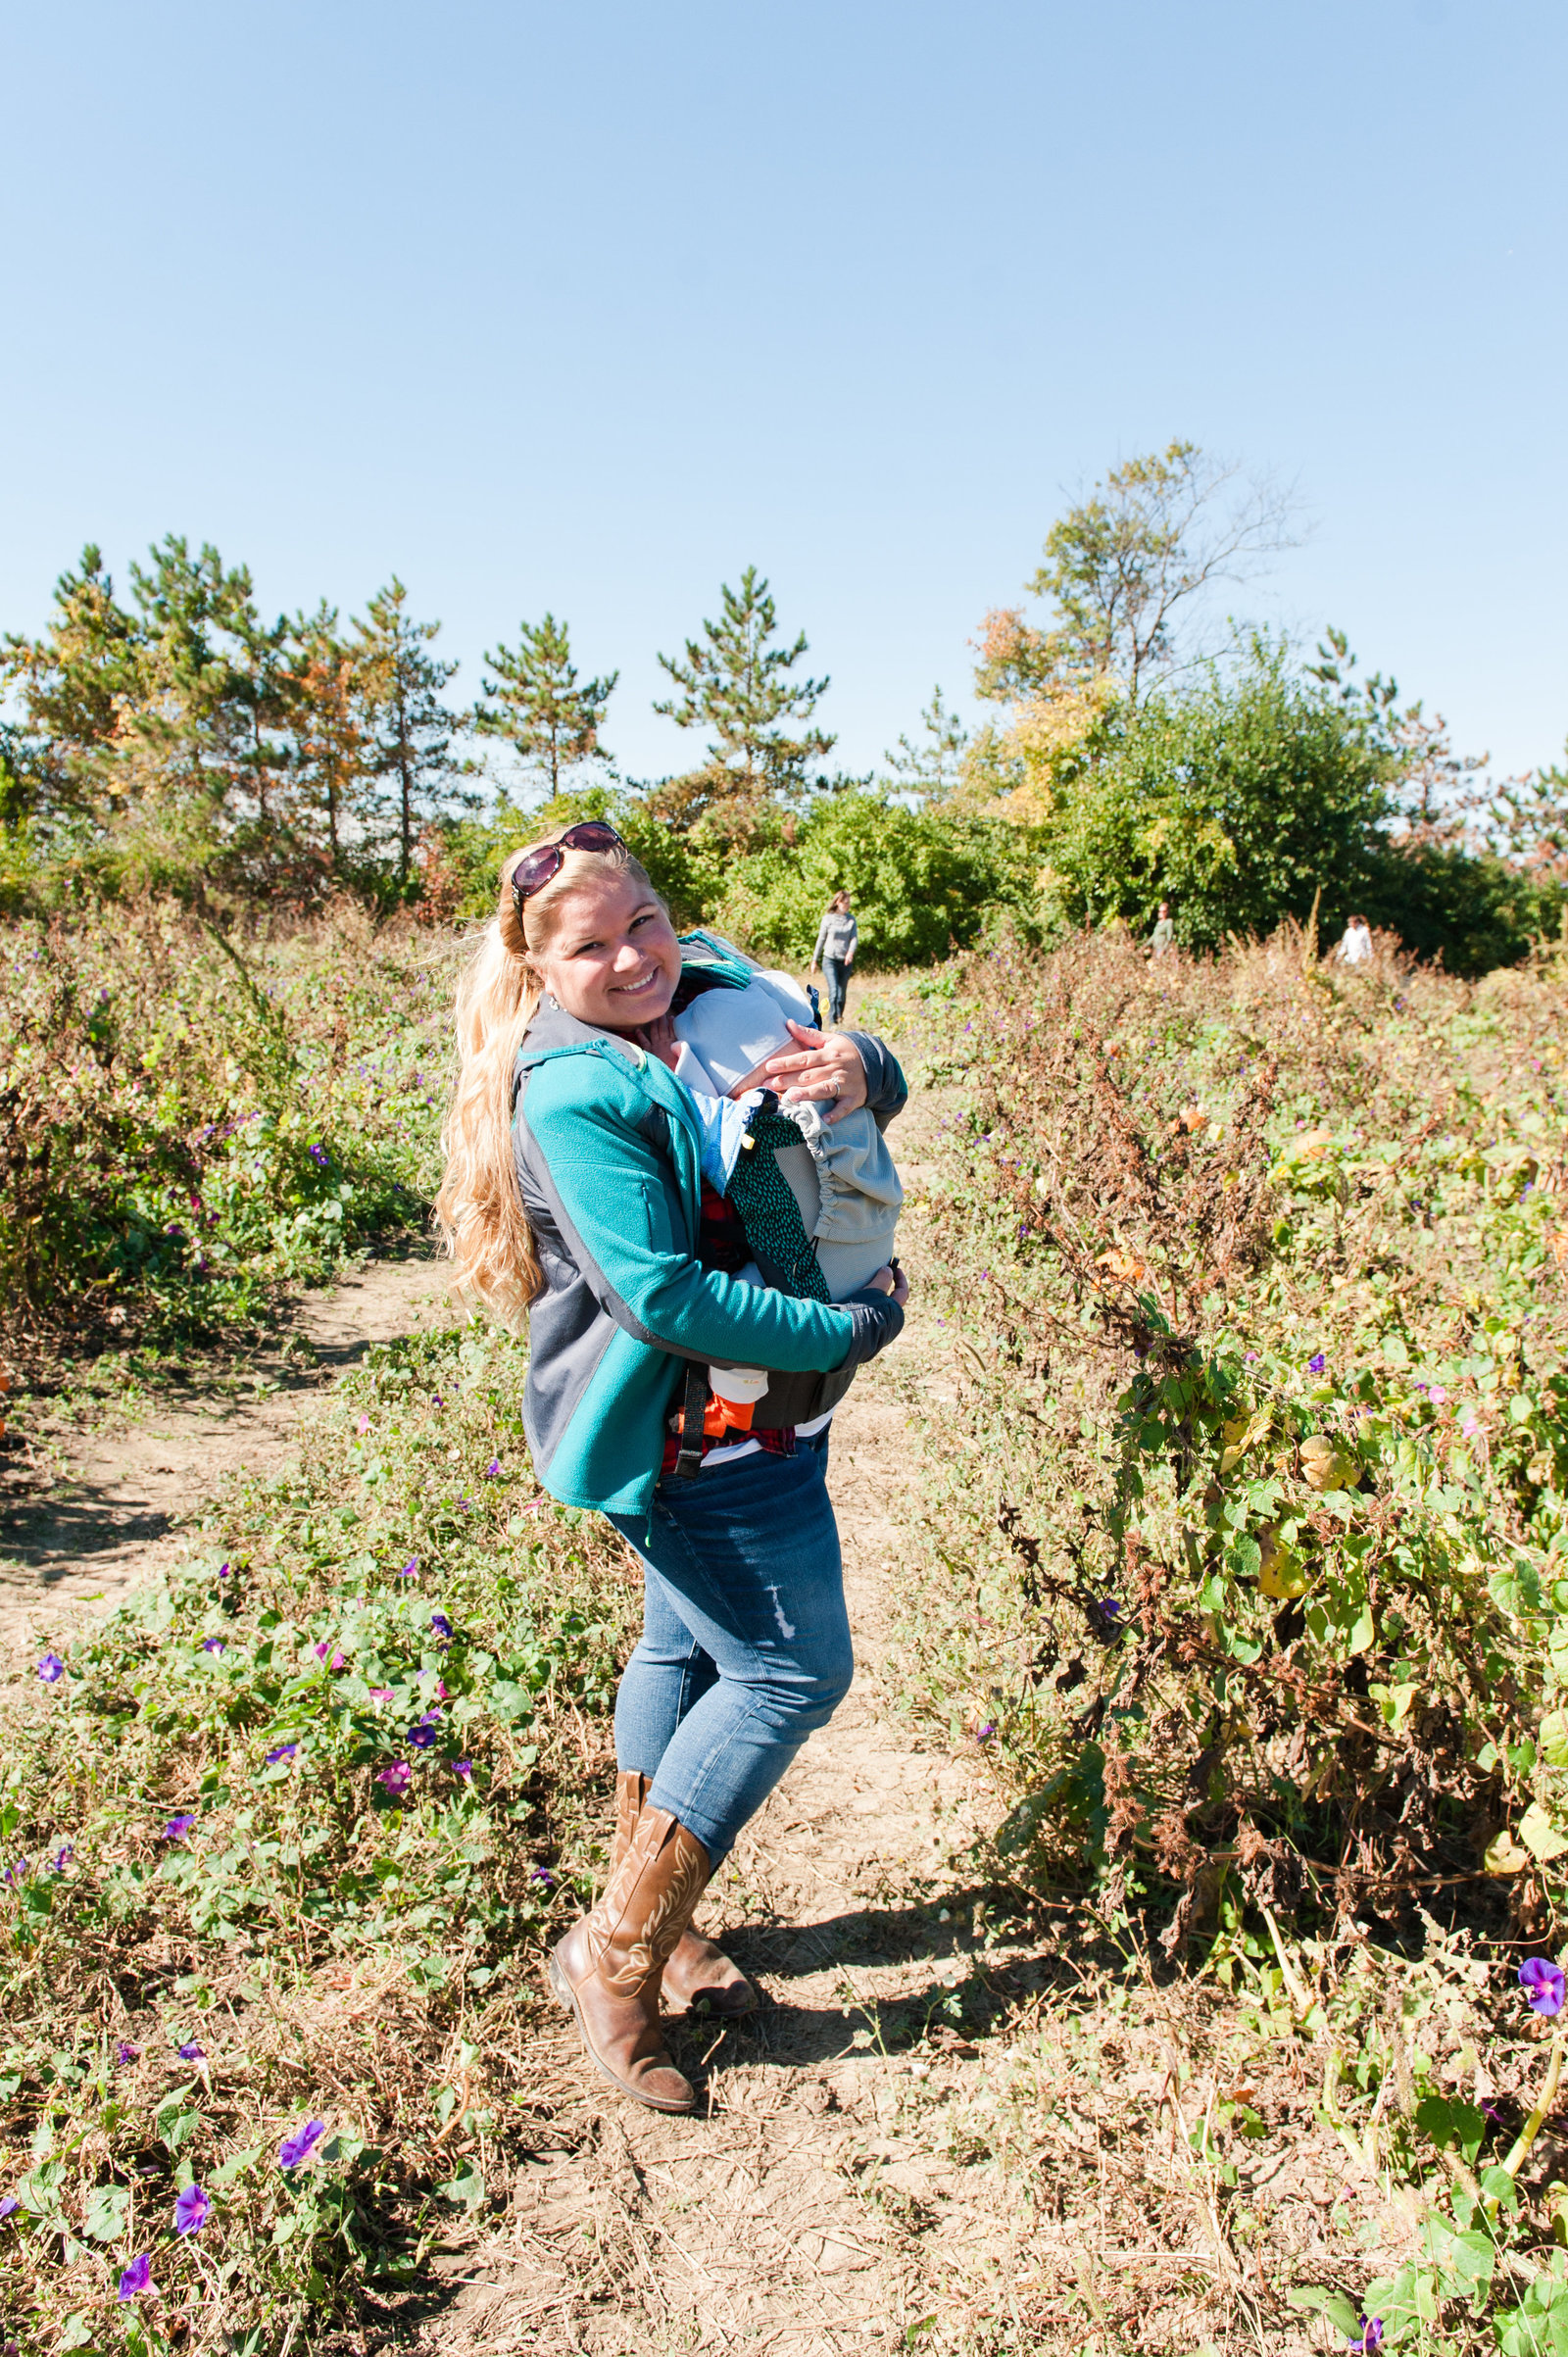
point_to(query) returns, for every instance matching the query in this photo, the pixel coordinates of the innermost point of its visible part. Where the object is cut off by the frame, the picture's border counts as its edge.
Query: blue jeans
(746, 1641)
(838, 987)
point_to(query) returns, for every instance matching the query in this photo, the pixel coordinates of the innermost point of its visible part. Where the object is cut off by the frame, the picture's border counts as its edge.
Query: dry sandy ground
(110, 1521)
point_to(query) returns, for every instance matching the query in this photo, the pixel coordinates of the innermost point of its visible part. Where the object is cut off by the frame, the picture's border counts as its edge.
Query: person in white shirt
(1356, 947)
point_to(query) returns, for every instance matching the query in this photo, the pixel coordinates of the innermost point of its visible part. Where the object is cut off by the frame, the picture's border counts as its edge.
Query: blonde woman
(573, 1192)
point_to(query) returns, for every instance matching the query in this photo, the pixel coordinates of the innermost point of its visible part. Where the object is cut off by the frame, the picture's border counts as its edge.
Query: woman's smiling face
(612, 958)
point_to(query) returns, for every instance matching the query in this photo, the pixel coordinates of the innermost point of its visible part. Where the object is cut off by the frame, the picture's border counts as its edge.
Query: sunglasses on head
(532, 874)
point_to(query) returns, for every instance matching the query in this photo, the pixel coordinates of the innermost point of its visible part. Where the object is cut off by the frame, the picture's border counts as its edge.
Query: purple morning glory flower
(1544, 1984)
(177, 1827)
(407, 1571)
(222, 1571)
(191, 2211)
(397, 1779)
(279, 1751)
(442, 1627)
(62, 1858)
(462, 1767)
(50, 1668)
(423, 1735)
(983, 1735)
(1371, 2333)
(190, 2051)
(294, 2148)
(12, 2202)
(213, 1645)
(492, 1470)
(317, 1156)
(1110, 1605)
(126, 2052)
(1314, 1367)
(137, 2277)
(542, 1874)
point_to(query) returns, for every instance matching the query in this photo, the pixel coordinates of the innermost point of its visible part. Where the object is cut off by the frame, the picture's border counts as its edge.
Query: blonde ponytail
(479, 1209)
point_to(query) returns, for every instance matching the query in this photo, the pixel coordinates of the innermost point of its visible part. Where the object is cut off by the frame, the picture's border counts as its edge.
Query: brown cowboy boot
(609, 1967)
(699, 1976)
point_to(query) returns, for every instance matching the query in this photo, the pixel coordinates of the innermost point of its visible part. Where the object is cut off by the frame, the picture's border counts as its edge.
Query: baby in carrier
(815, 1204)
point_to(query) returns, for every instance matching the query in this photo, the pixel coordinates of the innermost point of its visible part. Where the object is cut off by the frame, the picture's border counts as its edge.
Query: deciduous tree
(1123, 567)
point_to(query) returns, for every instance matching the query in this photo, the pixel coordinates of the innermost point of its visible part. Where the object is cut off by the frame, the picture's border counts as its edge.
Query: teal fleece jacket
(606, 1153)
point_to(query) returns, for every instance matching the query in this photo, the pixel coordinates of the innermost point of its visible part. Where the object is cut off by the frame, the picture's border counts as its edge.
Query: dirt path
(109, 1521)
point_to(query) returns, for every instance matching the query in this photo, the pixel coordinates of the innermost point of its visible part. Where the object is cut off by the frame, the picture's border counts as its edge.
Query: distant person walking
(837, 939)
(1163, 940)
(1356, 943)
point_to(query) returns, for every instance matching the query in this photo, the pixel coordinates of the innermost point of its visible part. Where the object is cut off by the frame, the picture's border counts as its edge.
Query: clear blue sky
(587, 307)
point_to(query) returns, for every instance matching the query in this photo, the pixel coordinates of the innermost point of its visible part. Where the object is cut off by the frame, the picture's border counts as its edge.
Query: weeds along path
(87, 1516)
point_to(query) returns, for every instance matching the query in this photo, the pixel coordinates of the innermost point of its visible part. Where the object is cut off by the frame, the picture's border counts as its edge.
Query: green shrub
(1474, 913)
(1249, 1537)
(185, 1125)
(1244, 799)
(920, 881)
(1236, 801)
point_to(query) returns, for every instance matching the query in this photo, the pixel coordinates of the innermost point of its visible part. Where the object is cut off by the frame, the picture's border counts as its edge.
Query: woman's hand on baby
(831, 1072)
(890, 1280)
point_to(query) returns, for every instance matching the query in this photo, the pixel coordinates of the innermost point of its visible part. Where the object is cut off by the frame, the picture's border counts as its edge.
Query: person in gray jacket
(836, 939)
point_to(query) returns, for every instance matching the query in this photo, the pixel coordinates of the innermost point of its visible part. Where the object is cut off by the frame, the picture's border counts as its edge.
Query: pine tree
(535, 702)
(739, 687)
(330, 722)
(189, 732)
(932, 767)
(72, 683)
(264, 750)
(409, 731)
